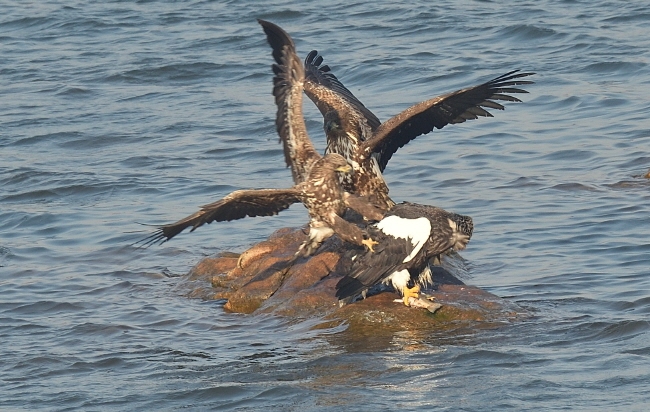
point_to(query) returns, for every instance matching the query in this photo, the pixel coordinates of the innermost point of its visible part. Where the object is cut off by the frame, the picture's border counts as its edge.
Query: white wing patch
(417, 231)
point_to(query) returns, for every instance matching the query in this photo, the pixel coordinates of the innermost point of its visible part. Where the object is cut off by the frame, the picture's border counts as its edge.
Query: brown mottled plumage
(299, 151)
(320, 192)
(317, 184)
(355, 132)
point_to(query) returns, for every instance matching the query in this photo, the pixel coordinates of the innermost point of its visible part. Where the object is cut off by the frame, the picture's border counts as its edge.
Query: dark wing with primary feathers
(299, 152)
(370, 268)
(405, 245)
(237, 205)
(455, 107)
(328, 93)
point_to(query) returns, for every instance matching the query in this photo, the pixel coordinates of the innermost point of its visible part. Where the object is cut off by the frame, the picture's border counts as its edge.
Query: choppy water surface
(113, 113)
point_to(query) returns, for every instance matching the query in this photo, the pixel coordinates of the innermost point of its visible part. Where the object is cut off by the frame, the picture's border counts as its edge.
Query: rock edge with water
(260, 281)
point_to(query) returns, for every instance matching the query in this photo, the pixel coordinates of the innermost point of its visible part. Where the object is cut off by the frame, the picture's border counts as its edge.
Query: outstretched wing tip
(511, 79)
(156, 238)
(266, 23)
(453, 108)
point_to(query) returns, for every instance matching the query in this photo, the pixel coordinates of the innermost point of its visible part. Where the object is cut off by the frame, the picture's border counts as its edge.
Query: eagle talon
(413, 292)
(369, 243)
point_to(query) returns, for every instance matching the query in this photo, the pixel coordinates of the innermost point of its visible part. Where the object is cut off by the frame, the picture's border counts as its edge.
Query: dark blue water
(113, 113)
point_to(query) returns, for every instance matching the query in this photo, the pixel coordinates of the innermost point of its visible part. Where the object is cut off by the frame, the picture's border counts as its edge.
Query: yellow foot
(369, 243)
(413, 292)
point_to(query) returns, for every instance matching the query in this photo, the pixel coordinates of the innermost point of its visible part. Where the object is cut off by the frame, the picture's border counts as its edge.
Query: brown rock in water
(263, 281)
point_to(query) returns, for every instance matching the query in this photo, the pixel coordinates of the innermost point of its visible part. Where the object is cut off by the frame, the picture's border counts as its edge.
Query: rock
(267, 279)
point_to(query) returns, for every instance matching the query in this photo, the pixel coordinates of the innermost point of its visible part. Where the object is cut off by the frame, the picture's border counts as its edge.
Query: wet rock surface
(266, 279)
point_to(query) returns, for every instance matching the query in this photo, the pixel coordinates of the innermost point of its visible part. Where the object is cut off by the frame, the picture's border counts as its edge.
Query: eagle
(316, 183)
(320, 191)
(299, 151)
(408, 237)
(356, 133)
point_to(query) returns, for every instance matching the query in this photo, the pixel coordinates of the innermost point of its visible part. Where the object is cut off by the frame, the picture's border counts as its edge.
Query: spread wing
(299, 152)
(329, 94)
(237, 205)
(455, 107)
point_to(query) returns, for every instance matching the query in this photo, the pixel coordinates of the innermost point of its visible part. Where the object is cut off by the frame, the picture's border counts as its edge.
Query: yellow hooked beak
(344, 169)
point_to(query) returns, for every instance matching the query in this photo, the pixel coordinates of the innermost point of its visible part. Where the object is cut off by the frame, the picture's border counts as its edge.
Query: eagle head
(462, 227)
(338, 163)
(332, 123)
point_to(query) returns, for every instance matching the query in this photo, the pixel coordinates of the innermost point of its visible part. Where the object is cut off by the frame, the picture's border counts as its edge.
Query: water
(114, 113)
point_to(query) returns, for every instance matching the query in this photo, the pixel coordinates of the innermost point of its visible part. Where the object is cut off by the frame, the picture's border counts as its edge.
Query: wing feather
(436, 113)
(237, 205)
(328, 93)
(370, 268)
(404, 242)
(299, 152)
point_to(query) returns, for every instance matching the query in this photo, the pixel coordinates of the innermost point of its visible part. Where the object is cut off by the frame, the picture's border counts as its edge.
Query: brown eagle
(299, 152)
(317, 185)
(356, 133)
(320, 192)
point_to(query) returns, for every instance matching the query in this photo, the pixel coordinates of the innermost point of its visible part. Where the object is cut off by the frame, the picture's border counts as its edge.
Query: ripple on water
(119, 113)
(614, 68)
(527, 32)
(184, 73)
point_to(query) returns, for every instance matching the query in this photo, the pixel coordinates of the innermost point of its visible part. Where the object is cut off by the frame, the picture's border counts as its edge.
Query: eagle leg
(413, 292)
(318, 233)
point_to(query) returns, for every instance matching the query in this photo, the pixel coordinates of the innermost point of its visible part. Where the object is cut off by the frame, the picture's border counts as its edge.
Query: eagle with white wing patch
(408, 237)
